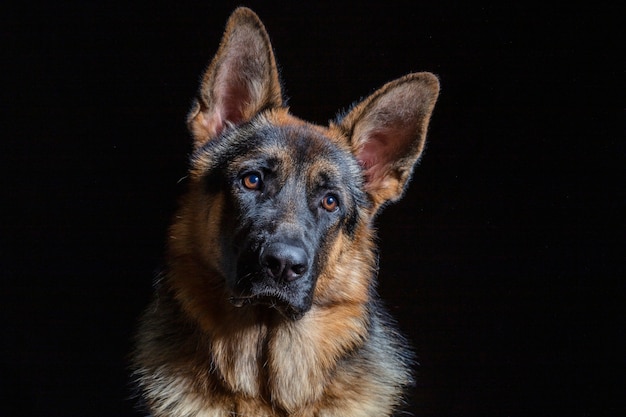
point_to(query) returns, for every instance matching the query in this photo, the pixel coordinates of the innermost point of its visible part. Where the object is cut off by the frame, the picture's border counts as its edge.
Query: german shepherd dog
(267, 304)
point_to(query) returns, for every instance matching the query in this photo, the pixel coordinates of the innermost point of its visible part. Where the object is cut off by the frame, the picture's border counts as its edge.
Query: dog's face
(271, 195)
(287, 192)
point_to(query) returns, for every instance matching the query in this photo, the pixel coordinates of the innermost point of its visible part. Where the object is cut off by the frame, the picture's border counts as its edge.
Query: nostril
(294, 272)
(299, 269)
(274, 265)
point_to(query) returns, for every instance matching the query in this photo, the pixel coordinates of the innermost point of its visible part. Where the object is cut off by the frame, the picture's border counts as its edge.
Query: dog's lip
(240, 301)
(271, 299)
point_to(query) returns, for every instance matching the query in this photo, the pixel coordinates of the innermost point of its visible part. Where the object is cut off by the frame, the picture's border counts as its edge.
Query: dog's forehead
(305, 150)
(277, 140)
(294, 145)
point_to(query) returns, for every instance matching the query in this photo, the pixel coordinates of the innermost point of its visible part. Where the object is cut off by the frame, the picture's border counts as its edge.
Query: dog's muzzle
(278, 276)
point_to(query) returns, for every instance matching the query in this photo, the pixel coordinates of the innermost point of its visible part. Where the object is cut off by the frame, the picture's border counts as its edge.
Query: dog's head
(286, 193)
(271, 195)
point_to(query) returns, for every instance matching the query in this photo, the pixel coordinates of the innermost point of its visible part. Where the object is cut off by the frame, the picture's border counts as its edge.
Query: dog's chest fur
(265, 370)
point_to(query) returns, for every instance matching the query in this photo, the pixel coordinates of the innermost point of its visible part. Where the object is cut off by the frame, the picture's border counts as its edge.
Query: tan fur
(198, 354)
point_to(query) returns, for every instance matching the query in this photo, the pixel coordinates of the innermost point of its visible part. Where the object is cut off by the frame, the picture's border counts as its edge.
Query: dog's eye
(252, 181)
(330, 202)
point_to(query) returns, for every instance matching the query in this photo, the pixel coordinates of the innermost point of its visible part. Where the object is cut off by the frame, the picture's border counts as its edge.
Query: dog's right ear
(241, 80)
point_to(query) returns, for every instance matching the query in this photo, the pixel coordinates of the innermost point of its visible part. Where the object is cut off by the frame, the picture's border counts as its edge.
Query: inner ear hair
(241, 80)
(388, 132)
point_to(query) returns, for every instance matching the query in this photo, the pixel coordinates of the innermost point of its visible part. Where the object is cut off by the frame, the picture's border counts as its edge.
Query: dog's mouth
(271, 299)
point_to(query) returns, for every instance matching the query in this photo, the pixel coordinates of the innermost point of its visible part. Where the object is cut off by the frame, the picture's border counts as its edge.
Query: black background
(504, 263)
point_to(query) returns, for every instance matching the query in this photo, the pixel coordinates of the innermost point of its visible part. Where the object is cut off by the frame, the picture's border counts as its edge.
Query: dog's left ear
(387, 133)
(241, 81)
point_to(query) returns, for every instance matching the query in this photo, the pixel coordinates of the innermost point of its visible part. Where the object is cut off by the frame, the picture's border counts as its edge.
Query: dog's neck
(298, 354)
(244, 345)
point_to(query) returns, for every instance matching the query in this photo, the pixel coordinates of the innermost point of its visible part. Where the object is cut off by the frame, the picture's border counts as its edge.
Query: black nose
(284, 262)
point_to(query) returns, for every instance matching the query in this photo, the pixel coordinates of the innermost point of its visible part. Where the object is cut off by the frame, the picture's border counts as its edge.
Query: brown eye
(252, 181)
(330, 202)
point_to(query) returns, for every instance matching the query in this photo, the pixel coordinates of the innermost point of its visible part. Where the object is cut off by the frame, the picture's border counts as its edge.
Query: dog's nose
(284, 262)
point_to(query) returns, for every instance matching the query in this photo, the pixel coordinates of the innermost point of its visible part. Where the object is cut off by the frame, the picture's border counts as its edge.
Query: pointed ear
(387, 132)
(241, 80)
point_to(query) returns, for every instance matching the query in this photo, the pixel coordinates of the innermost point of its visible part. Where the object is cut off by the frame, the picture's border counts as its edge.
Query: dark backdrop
(504, 263)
